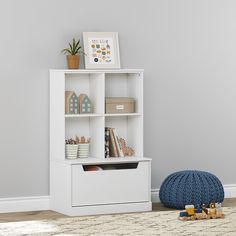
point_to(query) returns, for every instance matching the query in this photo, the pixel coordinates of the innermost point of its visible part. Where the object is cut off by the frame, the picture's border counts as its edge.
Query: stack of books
(113, 146)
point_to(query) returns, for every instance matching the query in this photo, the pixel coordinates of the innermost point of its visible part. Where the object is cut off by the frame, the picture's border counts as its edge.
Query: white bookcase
(75, 191)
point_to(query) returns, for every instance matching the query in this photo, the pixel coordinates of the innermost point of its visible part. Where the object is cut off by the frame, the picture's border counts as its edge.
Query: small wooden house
(85, 104)
(71, 103)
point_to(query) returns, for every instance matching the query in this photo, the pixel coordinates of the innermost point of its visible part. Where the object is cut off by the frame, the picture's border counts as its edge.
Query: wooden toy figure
(212, 210)
(71, 102)
(198, 209)
(189, 209)
(218, 208)
(85, 104)
(204, 209)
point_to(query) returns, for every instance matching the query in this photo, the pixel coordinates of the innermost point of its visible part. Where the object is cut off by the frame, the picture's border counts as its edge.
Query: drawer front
(110, 186)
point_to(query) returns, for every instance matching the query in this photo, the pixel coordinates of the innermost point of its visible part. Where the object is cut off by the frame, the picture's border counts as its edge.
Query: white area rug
(150, 223)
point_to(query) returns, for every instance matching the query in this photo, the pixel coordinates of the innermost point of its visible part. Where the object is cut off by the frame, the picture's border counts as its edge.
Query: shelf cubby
(91, 84)
(89, 127)
(125, 85)
(130, 128)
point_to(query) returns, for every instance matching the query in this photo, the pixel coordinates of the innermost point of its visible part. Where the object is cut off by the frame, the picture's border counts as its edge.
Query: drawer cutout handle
(104, 167)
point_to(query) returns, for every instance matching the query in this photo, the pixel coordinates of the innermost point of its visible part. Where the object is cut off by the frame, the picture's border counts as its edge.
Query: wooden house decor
(71, 102)
(85, 104)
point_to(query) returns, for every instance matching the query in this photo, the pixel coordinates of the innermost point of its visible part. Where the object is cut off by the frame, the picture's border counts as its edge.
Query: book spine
(120, 152)
(107, 149)
(113, 149)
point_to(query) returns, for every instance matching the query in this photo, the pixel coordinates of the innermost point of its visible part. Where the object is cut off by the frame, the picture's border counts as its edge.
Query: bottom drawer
(110, 186)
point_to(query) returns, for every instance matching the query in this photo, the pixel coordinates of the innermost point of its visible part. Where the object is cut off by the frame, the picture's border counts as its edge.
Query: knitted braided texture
(190, 187)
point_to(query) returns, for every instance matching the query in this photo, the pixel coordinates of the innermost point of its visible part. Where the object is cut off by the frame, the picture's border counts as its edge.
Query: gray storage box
(119, 105)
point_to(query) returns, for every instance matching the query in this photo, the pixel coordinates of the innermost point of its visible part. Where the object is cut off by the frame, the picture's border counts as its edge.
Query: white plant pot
(71, 151)
(83, 150)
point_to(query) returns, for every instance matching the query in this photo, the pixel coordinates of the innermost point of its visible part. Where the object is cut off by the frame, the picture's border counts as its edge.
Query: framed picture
(102, 50)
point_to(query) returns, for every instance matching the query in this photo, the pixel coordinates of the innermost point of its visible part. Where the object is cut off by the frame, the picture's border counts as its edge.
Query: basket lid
(119, 99)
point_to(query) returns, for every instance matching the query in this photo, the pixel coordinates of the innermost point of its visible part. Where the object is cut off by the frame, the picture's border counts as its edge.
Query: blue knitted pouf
(190, 187)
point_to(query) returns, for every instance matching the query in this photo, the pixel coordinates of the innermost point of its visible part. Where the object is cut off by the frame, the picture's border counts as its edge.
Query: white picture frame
(102, 50)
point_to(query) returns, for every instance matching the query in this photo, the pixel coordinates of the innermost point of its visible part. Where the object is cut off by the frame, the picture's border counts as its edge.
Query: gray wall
(188, 51)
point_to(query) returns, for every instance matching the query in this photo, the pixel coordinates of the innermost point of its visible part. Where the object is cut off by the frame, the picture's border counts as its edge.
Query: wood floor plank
(31, 215)
(46, 215)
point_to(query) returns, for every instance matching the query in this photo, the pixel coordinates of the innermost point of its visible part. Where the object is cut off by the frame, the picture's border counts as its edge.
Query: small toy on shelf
(71, 102)
(85, 104)
(128, 151)
(203, 213)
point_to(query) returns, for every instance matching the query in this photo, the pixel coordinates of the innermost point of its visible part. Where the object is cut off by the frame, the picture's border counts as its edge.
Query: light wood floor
(45, 215)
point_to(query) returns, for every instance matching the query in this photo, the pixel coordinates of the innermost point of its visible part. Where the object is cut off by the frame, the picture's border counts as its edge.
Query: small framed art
(102, 50)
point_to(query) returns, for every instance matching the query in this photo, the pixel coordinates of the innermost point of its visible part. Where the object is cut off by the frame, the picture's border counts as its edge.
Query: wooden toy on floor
(202, 213)
(218, 208)
(212, 209)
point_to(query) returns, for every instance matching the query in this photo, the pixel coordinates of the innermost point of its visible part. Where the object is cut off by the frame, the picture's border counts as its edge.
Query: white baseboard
(155, 195)
(40, 203)
(230, 192)
(21, 204)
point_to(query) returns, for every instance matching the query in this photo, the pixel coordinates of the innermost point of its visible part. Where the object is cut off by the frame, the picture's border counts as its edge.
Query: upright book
(112, 145)
(107, 137)
(118, 145)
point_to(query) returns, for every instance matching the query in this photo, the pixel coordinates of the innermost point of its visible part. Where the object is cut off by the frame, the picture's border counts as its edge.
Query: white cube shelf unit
(123, 184)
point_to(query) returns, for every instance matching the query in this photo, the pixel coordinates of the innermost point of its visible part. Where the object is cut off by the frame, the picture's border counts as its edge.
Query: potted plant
(74, 50)
(71, 149)
(83, 146)
(78, 147)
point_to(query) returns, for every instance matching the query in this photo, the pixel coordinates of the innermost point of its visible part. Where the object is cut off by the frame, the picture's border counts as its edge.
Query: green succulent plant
(74, 48)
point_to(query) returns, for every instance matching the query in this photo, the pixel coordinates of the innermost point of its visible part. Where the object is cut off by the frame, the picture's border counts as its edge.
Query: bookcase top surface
(111, 160)
(98, 71)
